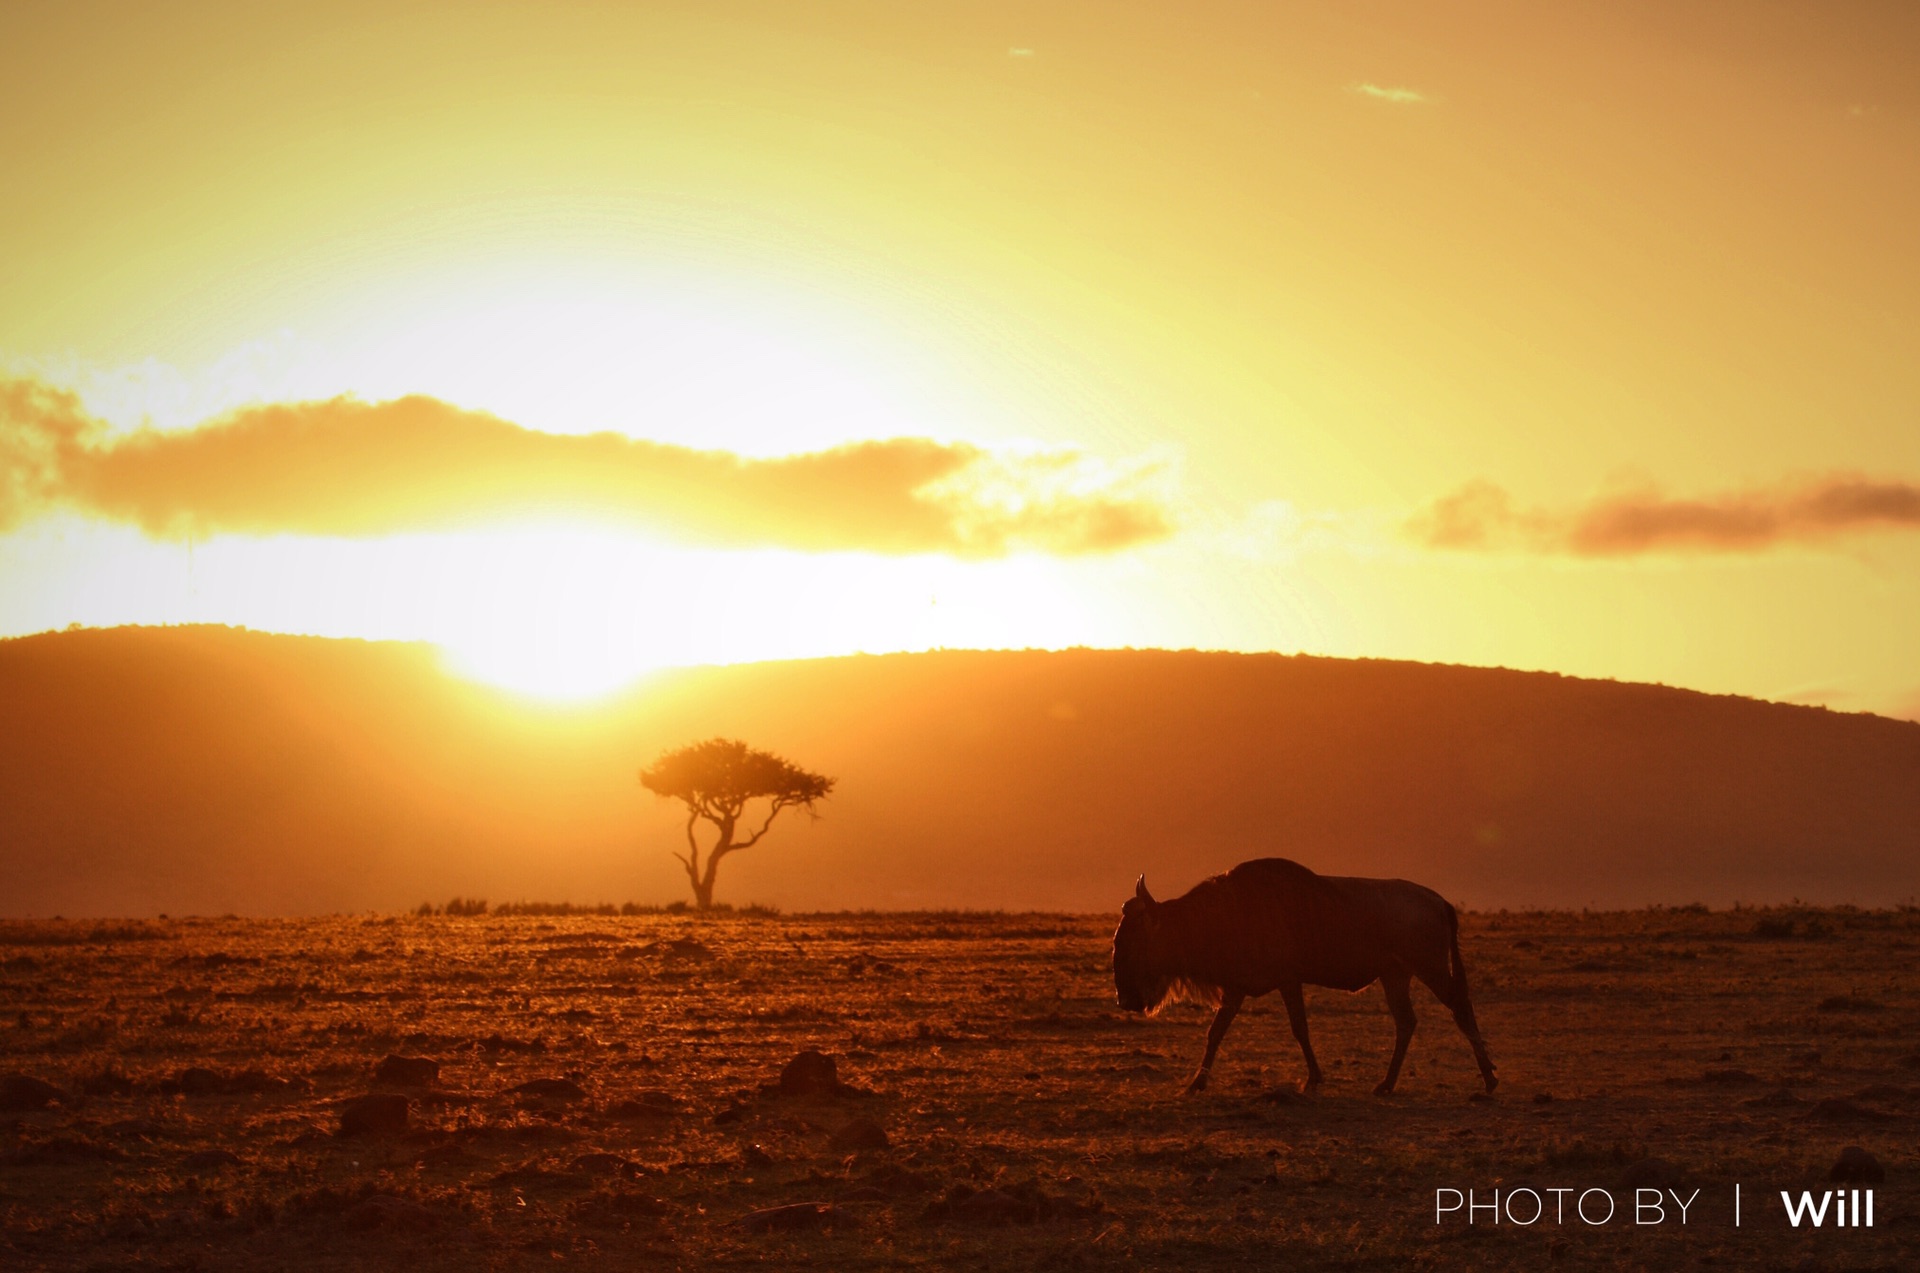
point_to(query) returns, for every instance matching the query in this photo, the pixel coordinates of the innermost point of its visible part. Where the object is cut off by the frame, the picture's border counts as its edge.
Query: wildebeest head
(1138, 983)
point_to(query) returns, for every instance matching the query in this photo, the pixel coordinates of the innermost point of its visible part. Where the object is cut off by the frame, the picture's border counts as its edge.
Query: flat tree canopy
(717, 780)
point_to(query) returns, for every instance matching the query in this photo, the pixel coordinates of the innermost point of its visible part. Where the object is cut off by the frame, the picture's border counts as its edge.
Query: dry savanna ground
(606, 1092)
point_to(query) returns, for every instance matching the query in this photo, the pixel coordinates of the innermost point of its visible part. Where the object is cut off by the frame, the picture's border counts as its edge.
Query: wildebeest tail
(1461, 1004)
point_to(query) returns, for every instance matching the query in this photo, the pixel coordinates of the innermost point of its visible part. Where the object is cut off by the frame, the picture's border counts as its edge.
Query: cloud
(349, 468)
(1384, 93)
(1482, 517)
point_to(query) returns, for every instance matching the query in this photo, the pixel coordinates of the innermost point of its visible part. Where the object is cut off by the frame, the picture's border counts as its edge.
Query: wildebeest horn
(1140, 888)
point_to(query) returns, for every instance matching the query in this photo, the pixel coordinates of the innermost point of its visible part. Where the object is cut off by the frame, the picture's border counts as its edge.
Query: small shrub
(465, 906)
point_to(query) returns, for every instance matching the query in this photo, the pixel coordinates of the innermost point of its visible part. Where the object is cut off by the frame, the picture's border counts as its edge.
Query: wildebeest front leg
(1400, 1003)
(1297, 1017)
(1230, 1002)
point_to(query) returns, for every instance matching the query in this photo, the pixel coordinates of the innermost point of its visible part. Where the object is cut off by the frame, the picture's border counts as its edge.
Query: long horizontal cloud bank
(1482, 517)
(349, 468)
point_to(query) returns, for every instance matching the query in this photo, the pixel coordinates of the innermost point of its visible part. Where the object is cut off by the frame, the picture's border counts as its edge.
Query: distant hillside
(206, 770)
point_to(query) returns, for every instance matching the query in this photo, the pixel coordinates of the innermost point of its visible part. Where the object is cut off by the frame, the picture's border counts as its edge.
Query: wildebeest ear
(1140, 889)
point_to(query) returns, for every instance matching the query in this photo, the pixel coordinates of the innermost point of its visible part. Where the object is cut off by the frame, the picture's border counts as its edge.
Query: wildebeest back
(1309, 927)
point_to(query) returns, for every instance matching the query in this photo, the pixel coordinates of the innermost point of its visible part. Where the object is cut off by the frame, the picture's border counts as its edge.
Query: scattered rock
(861, 1133)
(198, 1080)
(798, 1215)
(23, 1091)
(756, 1156)
(864, 1193)
(376, 1114)
(551, 1090)
(735, 1112)
(1543, 1098)
(1856, 1166)
(407, 1071)
(211, 1160)
(812, 1073)
(1837, 1109)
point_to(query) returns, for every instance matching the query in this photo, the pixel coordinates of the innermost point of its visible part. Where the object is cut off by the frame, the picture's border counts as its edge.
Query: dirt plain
(607, 1094)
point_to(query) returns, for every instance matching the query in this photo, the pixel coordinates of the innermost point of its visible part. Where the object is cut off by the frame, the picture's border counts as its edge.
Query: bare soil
(607, 1094)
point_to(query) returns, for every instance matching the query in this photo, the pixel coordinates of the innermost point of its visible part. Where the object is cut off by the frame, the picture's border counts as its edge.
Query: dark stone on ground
(755, 1156)
(23, 1091)
(1856, 1166)
(551, 1090)
(198, 1080)
(376, 1114)
(407, 1071)
(1836, 1109)
(811, 1073)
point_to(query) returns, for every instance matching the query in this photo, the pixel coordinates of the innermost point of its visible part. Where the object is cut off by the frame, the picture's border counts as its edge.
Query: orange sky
(1576, 337)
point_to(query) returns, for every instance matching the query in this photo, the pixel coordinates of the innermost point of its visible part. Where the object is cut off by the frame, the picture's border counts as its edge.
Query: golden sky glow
(580, 339)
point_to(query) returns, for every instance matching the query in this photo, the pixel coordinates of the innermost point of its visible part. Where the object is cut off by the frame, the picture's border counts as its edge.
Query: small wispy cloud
(1483, 517)
(1391, 93)
(343, 467)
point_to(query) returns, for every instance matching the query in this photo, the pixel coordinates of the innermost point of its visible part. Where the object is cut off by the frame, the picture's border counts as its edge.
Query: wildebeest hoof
(1492, 1083)
(1383, 1089)
(1199, 1084)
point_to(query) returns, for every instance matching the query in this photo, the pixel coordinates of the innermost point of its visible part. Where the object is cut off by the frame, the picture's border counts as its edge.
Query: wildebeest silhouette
(1272, 924)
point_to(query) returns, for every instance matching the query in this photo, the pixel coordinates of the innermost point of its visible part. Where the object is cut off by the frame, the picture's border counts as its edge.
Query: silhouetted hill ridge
(199, 769)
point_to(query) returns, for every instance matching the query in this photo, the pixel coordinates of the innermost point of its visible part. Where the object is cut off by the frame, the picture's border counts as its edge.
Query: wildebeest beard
(1141, 980)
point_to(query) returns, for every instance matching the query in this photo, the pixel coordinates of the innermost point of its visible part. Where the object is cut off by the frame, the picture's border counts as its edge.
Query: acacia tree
(717, 780)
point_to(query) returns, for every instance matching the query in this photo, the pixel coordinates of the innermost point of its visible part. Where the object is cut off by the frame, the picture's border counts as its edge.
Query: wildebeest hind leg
(1452, 991)
(1230, 1002)
(1400, 1003)
(1297, 1018)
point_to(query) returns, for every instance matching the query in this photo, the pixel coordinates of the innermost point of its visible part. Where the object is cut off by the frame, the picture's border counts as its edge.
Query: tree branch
(754, 839)
(692, 860)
